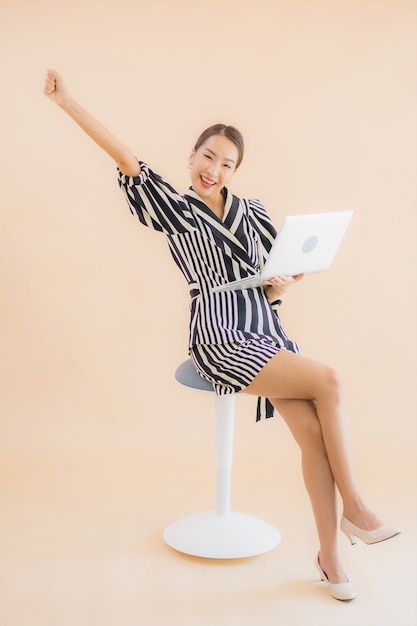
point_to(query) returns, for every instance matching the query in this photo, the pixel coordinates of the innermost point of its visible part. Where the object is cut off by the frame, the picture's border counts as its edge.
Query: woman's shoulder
(259, 215)
(252, 203)
(256, 206)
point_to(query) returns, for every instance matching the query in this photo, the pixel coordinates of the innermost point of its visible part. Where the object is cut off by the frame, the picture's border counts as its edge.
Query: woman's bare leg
(302, 420)
(288, 376)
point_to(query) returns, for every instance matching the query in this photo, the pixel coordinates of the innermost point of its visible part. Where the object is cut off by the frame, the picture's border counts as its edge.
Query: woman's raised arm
(57, 91)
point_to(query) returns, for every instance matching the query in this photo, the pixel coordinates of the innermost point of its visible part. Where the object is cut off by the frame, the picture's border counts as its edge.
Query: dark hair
(227, 131)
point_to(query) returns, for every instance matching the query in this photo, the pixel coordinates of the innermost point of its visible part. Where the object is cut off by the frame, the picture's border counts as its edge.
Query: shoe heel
(351, 538)
(345, 527)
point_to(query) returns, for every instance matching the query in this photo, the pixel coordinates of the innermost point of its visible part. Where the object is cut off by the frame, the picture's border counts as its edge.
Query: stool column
(219, 534)
(225, 412)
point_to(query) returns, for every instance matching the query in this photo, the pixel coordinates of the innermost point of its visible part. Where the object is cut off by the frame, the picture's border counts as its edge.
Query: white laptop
(304, 244)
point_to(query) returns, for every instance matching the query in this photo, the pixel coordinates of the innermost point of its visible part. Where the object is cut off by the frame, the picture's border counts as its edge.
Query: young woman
(236, 339)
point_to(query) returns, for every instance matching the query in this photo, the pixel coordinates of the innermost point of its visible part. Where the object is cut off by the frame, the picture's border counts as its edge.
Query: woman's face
(212, 166)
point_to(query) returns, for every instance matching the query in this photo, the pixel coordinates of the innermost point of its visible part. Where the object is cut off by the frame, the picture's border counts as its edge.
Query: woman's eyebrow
(214, 154)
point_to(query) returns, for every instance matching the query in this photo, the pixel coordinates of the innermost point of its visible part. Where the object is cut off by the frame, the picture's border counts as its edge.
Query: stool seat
(187, 376)
(219, 534)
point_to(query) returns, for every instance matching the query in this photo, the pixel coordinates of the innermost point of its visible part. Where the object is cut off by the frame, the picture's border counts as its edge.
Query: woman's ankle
(360, 515)
(330, 564)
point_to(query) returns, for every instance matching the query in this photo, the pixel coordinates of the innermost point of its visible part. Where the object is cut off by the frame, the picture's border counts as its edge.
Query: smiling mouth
(206, 183)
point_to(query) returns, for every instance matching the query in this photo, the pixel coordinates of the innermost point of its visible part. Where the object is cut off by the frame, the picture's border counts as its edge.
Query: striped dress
(232, 334)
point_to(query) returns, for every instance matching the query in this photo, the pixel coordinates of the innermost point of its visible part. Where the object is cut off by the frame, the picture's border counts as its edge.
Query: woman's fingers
(50, 82)
(50, 85)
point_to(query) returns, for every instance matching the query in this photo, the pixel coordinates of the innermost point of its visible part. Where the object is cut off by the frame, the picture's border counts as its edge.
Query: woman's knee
(331, 385)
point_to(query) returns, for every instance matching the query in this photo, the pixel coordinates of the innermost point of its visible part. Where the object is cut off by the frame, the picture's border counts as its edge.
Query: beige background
(99, 448)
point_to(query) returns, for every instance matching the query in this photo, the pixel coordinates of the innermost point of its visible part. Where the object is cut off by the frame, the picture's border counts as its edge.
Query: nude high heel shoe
(367, 536)
(340, 591)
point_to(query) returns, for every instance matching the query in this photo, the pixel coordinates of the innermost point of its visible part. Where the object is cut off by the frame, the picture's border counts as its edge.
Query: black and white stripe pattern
(232, 334)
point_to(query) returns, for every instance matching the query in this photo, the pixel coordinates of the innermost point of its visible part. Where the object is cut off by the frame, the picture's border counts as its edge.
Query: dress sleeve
(155, 202)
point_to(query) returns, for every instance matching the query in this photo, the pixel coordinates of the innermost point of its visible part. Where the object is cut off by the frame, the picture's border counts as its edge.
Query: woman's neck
(217, 205)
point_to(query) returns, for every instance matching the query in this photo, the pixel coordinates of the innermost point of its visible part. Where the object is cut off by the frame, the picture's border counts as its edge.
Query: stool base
(232, 536)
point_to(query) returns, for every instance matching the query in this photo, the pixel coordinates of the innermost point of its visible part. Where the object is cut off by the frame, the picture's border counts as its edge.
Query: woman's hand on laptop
(278, 285)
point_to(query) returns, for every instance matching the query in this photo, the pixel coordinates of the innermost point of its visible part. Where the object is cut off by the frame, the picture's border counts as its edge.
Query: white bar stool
(219, 534)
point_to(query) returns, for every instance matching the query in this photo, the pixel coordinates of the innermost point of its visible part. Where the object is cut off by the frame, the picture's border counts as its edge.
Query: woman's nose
(213, 169)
